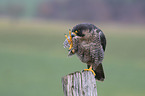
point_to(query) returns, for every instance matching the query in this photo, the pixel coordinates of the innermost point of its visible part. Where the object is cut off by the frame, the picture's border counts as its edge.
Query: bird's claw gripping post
(70, 41)
(90, 69)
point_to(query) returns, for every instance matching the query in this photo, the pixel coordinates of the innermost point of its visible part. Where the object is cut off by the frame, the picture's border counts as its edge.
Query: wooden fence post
(79, 84)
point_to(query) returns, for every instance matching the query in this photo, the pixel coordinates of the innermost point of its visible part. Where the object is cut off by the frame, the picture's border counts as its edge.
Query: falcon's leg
(90, 69)
(67, 39)
(70, 42)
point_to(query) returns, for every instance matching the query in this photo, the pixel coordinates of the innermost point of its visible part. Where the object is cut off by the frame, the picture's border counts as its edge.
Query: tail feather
(99, 72)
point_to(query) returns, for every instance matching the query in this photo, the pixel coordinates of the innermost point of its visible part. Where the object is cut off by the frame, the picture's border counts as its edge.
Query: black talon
(71, 52)
(71, 49)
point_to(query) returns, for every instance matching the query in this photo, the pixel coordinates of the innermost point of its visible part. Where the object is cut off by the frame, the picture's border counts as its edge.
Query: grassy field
(33, 60)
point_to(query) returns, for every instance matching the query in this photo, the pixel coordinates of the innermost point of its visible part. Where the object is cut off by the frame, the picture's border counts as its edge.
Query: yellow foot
(90, 69)
(67, 39)
(70, 41)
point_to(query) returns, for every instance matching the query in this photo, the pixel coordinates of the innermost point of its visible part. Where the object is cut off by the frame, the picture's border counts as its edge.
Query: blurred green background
(33, 60)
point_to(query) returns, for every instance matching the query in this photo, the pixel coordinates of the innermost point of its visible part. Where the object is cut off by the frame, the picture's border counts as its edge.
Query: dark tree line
(97, 10)
(92, 10)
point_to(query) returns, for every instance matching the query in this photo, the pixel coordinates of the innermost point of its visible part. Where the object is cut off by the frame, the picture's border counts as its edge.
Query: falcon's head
(82, 29)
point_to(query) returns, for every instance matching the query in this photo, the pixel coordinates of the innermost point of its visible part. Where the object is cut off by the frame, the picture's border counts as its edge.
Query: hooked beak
(73, 34)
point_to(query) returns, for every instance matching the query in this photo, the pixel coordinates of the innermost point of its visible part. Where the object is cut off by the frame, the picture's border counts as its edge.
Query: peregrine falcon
(88, 42)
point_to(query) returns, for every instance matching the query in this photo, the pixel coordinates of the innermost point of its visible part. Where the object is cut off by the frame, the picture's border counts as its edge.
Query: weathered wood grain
(79, 84)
